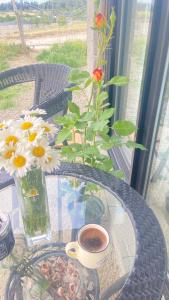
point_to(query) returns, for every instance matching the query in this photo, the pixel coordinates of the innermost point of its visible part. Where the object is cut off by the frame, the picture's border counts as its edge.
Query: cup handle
(71, 249)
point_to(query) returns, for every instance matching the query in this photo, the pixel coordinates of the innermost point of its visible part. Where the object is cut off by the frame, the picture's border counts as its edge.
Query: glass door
(158, 187)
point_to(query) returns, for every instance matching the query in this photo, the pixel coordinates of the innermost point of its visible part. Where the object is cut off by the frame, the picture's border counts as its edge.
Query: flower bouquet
(25, 153)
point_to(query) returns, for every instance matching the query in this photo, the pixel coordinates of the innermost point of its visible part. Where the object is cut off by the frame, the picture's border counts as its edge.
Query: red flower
(98, 74)
(100, 21)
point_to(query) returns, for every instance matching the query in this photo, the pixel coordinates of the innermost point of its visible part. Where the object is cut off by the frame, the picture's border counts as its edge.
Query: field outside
(52, 36)
(9, 98)
(56, 38)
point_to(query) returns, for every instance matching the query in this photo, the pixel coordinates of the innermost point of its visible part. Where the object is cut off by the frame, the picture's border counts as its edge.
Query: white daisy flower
(34, 112)
(52, 161)
(6, 154)
(3, 125)
(40, 153)
(28, 123)
(35, 135)
(20, 163)
(49, 129)
(10, 136)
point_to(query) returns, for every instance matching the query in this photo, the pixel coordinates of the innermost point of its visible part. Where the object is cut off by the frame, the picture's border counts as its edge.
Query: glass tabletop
(74, 203)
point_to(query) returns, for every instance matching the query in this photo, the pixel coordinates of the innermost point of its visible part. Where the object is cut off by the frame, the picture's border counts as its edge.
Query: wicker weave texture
(147, 278)
(50, 79)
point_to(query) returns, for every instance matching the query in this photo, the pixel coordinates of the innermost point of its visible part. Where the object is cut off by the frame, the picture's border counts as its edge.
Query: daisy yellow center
(38, 151)
(33, 192)
(26, 125)
(46, 128)
(19, 161)
(2, 125)
(32, 136)
(11, 139)
(8, 154)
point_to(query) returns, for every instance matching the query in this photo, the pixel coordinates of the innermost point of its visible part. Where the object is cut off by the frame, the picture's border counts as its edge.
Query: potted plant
(87, 132)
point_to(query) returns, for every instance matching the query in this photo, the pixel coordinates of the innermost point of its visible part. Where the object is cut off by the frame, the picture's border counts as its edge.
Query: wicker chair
(50, 82)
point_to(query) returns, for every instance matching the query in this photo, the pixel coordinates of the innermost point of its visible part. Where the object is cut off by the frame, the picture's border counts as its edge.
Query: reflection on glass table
(74, 202)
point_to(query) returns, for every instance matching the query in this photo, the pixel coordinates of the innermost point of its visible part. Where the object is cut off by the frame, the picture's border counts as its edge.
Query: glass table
(135, 266)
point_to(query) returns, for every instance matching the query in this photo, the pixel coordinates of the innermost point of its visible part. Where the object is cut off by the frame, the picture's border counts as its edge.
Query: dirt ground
(24, 99)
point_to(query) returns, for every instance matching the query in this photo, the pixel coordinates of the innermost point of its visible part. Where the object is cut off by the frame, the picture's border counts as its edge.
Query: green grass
(9, 96)
(73, 54)
(7, 18)
(8, 52)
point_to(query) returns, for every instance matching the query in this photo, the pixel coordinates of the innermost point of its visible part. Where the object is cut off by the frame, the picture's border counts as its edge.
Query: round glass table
(135, 264)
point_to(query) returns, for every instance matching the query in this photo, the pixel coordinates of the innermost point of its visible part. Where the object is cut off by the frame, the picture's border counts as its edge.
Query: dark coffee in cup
(91, 247)
(93, 239)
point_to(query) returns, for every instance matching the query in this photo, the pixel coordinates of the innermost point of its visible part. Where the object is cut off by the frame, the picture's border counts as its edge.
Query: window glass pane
(158, 190)
(138, 39)
(136, 56)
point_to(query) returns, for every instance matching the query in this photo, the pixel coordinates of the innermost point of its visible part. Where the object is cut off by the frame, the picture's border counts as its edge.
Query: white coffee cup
(90, 247)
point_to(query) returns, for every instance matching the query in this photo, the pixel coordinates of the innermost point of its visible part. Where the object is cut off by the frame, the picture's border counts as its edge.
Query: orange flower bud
(100, 21)
(98, 74)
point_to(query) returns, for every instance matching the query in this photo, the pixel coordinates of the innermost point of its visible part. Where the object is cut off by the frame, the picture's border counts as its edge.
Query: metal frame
(117, 62)
(152, 94)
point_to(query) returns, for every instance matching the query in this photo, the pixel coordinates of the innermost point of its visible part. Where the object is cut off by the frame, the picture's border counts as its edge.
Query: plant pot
(32, 197)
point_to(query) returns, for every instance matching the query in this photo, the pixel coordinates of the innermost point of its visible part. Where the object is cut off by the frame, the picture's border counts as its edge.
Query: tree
(20, 26)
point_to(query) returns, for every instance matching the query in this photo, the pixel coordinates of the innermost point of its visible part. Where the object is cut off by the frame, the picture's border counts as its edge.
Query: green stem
(91, 96)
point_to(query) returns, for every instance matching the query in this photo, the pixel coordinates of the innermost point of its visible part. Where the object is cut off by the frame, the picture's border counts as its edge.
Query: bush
(62, 20)
(73, 54)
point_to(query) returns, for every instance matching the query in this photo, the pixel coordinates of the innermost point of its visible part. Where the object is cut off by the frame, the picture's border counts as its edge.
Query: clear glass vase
(32, 197)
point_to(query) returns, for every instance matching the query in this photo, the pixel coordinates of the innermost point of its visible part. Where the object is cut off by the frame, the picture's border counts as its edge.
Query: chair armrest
(55, 105)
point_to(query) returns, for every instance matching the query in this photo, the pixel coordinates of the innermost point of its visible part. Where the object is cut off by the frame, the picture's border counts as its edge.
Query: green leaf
(66, 121)
(59, 120)
(113, 18)
(74, 108)
(63, 135)
(77, 76)
(73, 88)
(90, 134)
(107, 113)
(66, 149)
(99, 125)
(102, 97)
(86, 116)
(114, 141)
(104, 136)
(131, 144)
(118, 174)
(107, 164)
(118, 81)
(88, 82)
(124, 128)
(80, 125)
(91, 150)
